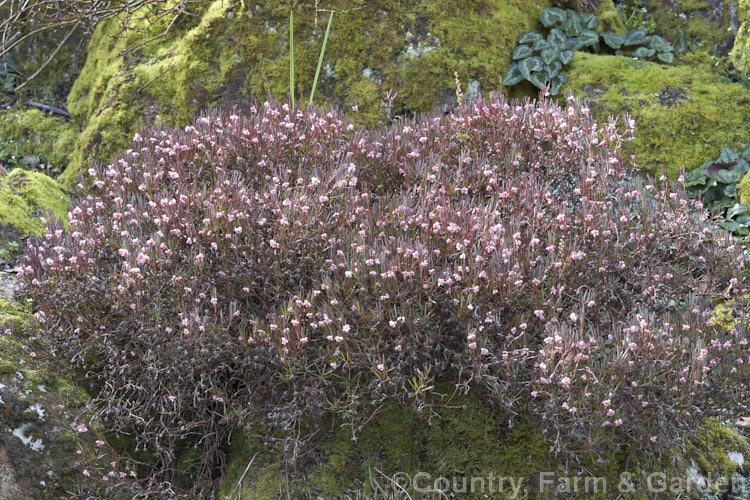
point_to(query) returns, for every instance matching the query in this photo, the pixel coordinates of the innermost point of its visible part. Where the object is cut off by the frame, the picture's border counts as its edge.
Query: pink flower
(82, 428)
(99, 442)
(618, 422)
(653, 439)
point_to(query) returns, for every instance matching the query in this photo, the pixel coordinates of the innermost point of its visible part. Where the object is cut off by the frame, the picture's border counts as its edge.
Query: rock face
(230, 52)
(707, 25)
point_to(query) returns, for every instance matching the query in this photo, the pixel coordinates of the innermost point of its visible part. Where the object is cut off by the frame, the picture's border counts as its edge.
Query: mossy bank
(230, 52)
(685, 114)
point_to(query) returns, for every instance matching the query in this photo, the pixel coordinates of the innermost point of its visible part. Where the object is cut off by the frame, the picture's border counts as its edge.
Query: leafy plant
(540, 59)
(636, 16)
(716, 182)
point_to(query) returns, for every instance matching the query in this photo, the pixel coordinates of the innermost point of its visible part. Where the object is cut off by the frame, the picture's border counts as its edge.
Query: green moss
(30, 137)
(684, 115)
(704, 28)
(251, 474)
(609, 18)
(22, 193)
(740, 56)
(712, 444)
(232, 52)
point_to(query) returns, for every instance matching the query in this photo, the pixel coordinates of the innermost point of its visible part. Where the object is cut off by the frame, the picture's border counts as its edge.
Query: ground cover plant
(278, 268)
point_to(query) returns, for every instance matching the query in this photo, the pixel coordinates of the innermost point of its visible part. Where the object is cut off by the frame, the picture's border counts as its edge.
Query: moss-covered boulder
(740, 56)
(39, 411)
(684, 114)
(707, 25)
(462, 450)
(25, 198)
(230, 52)
(32, 139)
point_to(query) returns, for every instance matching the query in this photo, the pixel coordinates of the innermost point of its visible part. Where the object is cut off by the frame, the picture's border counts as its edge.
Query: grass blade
(291, 55)
(320, 59)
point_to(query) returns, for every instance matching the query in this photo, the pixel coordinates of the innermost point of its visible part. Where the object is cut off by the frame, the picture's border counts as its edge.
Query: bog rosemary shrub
(283, 266)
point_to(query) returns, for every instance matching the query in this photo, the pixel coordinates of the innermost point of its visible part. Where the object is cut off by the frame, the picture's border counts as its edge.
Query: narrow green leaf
(320, 59)
(291, 55)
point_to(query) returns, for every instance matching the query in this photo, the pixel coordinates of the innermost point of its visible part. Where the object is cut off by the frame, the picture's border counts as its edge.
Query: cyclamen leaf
(589, 21)
(589, 38)
(643, 52)
(550, 16)
(549, 55)
(557, 38)
(667, 57)
(566, 56)
(554, 69)
(613, 40)
(538, 79)
(635, 37)
(530, 37)
(522, 51)
(513, 76)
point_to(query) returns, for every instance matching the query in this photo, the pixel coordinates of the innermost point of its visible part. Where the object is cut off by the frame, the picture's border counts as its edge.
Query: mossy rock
(232, 52)
(740, 56)
(32, 139)
(708, 25)
(25, 197)
(466, 439)
(684, 114)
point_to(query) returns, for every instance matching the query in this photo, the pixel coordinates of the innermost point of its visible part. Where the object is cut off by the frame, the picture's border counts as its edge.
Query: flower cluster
(286, 265)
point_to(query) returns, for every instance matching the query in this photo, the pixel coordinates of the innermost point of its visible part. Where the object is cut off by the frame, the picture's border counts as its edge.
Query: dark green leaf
(635, 37)
(589, 38)
(542, 44)
(659, 44)
(665, 57)
(536, 63)
(743, 219)
(589, 21)
(613, 40)
(530, 37)
(555, 84)
(680, 43)
(730, 226)
(554, 69)
(737, 209)
(549, 55)
(557, 38)
(728, 155)
(524, 66)
(745, 154)
(538, 79)
(522, 51)
(550, 16)
(566, 56)
(513, 76)
(643, 52)
(730, 192)
(728, 176)
(572, 26)
(573, 43)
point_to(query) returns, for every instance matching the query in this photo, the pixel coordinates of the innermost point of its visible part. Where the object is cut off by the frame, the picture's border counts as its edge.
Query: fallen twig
(49, 109)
